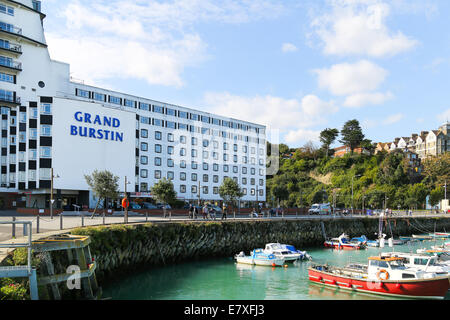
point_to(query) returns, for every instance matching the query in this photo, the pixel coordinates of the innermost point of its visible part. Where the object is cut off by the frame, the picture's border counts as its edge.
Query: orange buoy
(274, 265)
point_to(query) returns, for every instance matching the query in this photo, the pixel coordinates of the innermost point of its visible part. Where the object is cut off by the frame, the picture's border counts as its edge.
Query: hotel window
(170, 163)
(170, 149)
(32, 175)
(261, 152)
(158, 162)
(252, 160)
(225, 146)
(44, 174)
(145, 120)
(144, 106)
(205, 190)
(216, 121)
(144, 133)
(6, 77)
(205, 143)
(129, 103)
(158, 109)
(4, 124)
(157, 174)
(252, 181)
(194, 165)
(261, 192)
(144, 146)
(194, 116)
(144, 173)
(171, 124)
(23, 117)
(22, 176)
(261, 162)
(13, 140)
(32, 154)
(157, 122)
(46, 152)
(244, 181)
(183, 139)
(144, 187)
(33, 113)
(46, 108)
(235, 158)
(182, 151)
(194, 189)
(46, 130)
(225, 157)
(158, 135)
(182, 188)
(244, 149)
(12, 177)
(6, 10)
(244, 159)
(194, 177)
(244, 170)
(215, 178)
(170, 112)
(12, 158)
(4, 142)
(194, 153)
(82, 93)
(244, 191)
(235, 147)
(170, 137)
(183, 176)
(215, 190)
(115, 100)
(183, 114)
(12, 121)
(170, 175)
(205, 119)
(215, 167)
(225, 168)
(252, 192)
(252, 171)
(182, 126)
(144, 160)
(205, 166)
(99, 96)
(205, 154)
(22, 136)
(235, 169)
(183, 164)
(215, 156)
(261, 182)
(194, 141)
(261, 172)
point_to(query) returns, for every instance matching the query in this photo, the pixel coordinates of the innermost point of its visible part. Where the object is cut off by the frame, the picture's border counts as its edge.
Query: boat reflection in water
(319, 292)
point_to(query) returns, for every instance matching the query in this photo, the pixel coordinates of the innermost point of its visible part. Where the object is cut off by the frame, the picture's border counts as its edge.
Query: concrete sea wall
(119, 249)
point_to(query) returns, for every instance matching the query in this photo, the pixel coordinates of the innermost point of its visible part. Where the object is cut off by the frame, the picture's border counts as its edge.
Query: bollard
(13, 227)
(82, 220)
(60, 221)
(37, 224)
(146, 216)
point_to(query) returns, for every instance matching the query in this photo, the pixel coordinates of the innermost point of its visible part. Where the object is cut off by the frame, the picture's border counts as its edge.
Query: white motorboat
(260, 258)
(281, 251)
(419, 261)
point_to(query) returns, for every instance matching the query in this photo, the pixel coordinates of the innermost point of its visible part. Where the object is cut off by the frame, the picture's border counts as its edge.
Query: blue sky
(296, 66)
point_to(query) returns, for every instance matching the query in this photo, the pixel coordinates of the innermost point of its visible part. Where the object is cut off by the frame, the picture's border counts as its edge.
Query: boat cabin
(389, 268)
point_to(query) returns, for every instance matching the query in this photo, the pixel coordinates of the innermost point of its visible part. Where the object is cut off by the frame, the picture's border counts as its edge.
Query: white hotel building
(49, 121)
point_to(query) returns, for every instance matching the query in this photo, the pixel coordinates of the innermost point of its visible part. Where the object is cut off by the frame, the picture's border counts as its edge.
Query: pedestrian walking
(205, 212)
(195, 212)
(191, 211)
(224, 212)
(212, 214)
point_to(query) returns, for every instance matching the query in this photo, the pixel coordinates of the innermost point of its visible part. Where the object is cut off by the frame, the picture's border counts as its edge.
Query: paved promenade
(72, 220)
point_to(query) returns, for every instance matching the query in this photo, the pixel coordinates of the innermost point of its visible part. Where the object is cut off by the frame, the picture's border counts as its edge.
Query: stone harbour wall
(119, 249)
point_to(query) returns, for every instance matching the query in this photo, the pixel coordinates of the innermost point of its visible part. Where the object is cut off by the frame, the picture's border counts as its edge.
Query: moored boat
(343, 243)
(382, 276)
(260, 258)
(422, 237)
(421, 261)
(288, 252)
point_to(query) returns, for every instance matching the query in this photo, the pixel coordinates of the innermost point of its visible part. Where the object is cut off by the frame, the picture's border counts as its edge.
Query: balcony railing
(9, 97)
(10, 28)
(11, 46)
(9, 63)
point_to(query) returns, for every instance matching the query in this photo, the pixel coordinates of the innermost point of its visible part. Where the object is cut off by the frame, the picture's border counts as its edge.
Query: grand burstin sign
(105, 132)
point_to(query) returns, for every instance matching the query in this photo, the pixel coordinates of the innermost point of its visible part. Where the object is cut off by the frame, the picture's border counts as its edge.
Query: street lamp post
(51, 192)
(126, 201)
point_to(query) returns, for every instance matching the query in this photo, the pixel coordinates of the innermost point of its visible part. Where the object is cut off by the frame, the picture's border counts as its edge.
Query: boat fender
(285, 265)
(274, 265)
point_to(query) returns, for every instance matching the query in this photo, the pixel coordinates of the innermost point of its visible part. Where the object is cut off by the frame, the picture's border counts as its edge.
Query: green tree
(351, 134)
(164, 192)
(104, 184)
(417, 194)
(436, 195)
(327, 137)
(230, 191)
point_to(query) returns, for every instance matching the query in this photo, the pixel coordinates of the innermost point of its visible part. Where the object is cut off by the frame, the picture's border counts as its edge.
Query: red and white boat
(343, 243)
(382, 276)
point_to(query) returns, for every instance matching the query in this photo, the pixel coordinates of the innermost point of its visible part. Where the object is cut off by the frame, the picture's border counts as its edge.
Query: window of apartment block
(144, 173)
(170, 175)
(144, 160)
(44, 174)
(157, 174)
(193, 177)
(182, 188)
(46, 152)
(183, 176)
(144, 133)
(194, 189)
(205, 189)
(46, 130)
(158, 162)
(170, 137)
(158, 135)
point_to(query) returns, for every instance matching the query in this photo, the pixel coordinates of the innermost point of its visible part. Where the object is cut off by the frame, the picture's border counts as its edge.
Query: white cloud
(358, 27)
(289, 47)
(362, 99)
(299, 136)
(290, 116)
(150, 40)
(393, 119)
(347, 79)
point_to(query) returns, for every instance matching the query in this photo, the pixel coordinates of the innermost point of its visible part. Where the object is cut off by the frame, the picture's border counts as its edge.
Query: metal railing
(21, 271)
(11, 46)
(10, 28)
(9, 98)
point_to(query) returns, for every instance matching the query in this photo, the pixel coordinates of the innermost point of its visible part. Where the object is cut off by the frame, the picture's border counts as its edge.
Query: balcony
(6, 27)
(10, 63)
(9, 97)
(10, 47)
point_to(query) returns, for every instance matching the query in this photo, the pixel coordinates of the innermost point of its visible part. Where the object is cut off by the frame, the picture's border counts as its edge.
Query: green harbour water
(224, 279)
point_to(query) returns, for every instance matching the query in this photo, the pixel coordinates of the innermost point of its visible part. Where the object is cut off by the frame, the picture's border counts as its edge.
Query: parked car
(148, 205)
(134, 205)
(323, 208)
(161, 206)
(217, 209)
